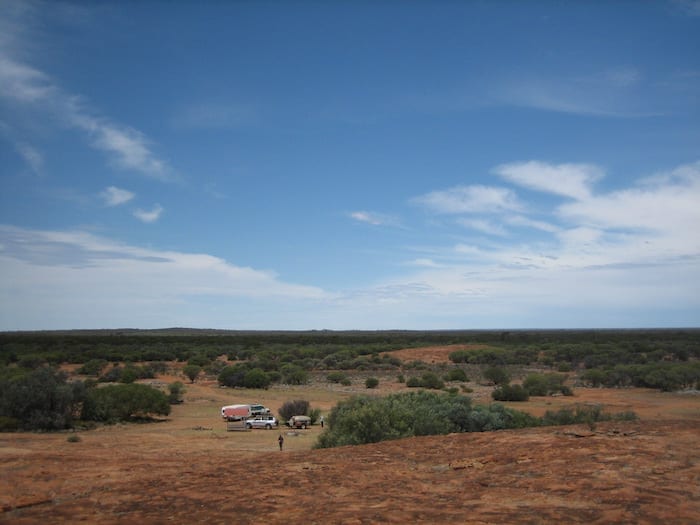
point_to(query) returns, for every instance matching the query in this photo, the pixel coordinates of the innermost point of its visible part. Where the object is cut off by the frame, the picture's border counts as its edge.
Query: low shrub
(456, 374)
(510, 393)
(296, 407)
(336, 376)
(369, 419)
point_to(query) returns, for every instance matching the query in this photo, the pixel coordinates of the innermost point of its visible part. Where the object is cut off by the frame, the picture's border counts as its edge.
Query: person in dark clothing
(280, 440)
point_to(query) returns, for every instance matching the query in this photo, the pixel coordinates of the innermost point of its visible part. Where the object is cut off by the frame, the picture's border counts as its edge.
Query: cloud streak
(23, 84)
(470, 199)
(114, 196)
(149, 216)
(69, 278)
(568, 180)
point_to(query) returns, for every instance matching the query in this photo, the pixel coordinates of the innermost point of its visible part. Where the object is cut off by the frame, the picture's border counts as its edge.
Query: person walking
(280, 440)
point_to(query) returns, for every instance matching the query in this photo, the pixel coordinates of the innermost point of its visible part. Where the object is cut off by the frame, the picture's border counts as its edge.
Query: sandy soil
(188, 468)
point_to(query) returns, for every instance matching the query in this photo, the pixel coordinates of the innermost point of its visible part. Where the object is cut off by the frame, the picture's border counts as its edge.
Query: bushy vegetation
(427, 380)
(39, 399)
(365, 419)
(456, 374)
(371, 382)
(114, 403)
(663, 376)
(510, 393)
(44, 399)
(588, 414)
(662, 359)
(296, 407)
(546, 384)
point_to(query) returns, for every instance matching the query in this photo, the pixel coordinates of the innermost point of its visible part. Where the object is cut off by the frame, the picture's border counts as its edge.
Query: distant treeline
(659, 358)
(595, 347)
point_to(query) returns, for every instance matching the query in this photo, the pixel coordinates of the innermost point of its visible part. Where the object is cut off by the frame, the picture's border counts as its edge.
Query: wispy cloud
(569, 180)
(522, 221)
(665, 205)
(470, 199)
(484, 226)
(96, 282)
(32, 157)
(114, 196)
(617, 92)
(22, 84)
(375, 219)
(149, 216)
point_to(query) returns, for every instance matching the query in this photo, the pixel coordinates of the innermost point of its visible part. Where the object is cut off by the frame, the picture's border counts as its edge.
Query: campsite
(187, 467)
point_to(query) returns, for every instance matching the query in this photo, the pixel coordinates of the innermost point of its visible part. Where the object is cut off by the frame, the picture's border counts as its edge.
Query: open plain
(188, 468)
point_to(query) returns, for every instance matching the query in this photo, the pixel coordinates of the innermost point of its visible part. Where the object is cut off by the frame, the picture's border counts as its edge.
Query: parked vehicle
(299, 422)
(266, 422)
(237, 412)
(258, 410)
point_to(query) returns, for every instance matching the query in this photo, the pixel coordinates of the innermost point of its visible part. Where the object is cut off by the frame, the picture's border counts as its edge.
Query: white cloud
(483, 226)
(375, 219)
(114, 196)
(520, 220)
(32, 157)
(470, 199)
(149, 215)
(617, 92)
(424, 263)
(569, 180)
(24, 84)
(666, 204)
(64, 279)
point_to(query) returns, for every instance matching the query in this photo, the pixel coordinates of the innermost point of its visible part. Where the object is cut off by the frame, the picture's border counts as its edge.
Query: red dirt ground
(431, 354)
(189, 469)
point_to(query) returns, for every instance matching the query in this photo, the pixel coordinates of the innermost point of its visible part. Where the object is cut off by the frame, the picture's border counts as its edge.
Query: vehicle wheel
(248, 426)
(303, 426)
(268, 426)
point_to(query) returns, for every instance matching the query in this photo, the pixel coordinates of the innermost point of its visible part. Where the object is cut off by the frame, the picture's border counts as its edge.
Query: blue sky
(349, 165)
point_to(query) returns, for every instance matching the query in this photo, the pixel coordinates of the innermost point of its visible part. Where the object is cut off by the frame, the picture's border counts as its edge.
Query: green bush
(93, 367)
(294, 375)
(114, 403)
(297, 407)
(256, 378)
(39, 399)
(369, 419)
(545, 384)
(371, 382)
(175, 392)
(510, 393)
(336, 376)
(191, 371)
(233, 376)
(457, 374)
(498, 375)
(427, 380)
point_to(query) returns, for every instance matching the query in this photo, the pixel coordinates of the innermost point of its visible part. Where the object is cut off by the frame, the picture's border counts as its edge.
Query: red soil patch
(431, 354)
(633, 472)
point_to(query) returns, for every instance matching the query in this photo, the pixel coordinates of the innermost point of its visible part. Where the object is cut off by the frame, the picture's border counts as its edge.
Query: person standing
(321, 421)
(280, 440)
